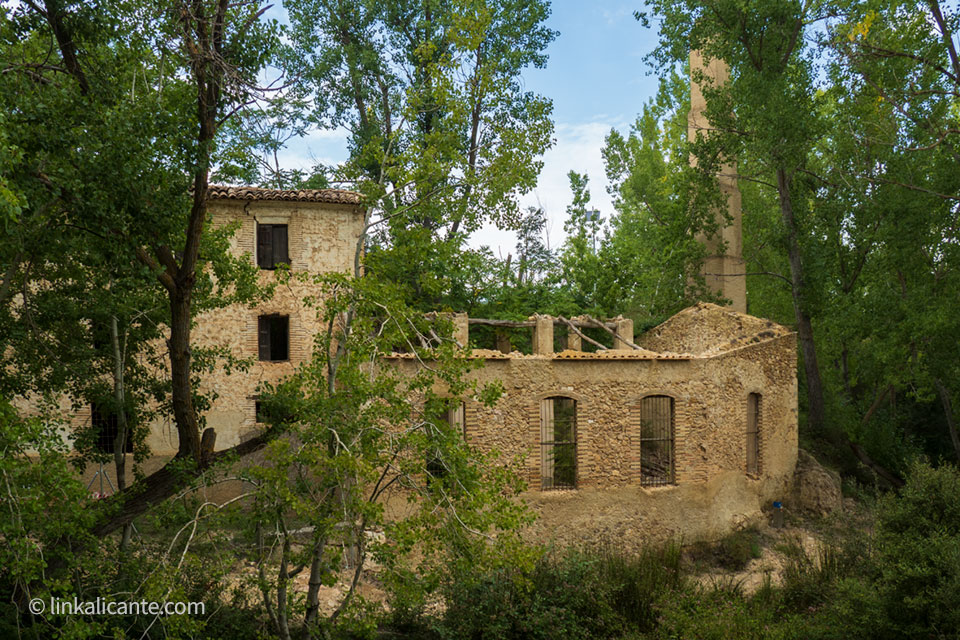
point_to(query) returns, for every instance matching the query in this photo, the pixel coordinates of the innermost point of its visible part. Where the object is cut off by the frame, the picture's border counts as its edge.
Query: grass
(732, 553)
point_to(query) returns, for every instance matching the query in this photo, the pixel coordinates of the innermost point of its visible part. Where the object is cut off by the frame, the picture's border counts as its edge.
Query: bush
(636, 581)
(732, 553)
(723, 613)
(904, 582)
(918, 541)
(581, 593)
(563, 597)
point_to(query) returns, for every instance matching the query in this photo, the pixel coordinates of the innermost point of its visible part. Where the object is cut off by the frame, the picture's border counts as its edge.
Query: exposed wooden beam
(573, 328)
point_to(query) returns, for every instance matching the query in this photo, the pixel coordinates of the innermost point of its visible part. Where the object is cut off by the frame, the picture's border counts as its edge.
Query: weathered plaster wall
(322, 238)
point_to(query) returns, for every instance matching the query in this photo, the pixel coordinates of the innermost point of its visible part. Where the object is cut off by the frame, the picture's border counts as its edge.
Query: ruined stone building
(688, 435)
(689, 430)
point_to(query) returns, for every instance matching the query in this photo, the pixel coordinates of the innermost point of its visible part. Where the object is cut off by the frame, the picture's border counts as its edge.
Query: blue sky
(597, 79)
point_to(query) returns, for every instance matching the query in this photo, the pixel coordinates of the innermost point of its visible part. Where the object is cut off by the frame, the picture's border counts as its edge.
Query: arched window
(656, 441)
(558, 442)
(753, 433)
(455, 418)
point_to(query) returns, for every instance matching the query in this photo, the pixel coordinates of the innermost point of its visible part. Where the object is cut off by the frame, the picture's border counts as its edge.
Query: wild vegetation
(842, 116)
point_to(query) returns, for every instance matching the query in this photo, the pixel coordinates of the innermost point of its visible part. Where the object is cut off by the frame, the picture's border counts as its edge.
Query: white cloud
(319, 146)
(577, 149)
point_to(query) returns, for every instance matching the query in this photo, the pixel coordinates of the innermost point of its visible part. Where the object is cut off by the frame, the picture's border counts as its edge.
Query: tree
(111, 203)
(840, 118)
(363, 430)
(652, 251)
(765, 113)
(442, 136)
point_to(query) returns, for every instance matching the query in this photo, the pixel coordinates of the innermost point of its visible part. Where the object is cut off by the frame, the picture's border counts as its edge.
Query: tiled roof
(610, 354)
(620, 354)
(331, 196)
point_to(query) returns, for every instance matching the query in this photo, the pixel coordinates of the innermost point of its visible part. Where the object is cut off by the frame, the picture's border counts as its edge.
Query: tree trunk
(184, 414)
(313, 590)
(123, 429)
(948, 412)
(120, 440)
(816, 415)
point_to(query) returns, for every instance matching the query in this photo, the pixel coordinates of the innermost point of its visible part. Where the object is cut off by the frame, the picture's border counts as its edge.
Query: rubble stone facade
(707, 360)
(701, 365)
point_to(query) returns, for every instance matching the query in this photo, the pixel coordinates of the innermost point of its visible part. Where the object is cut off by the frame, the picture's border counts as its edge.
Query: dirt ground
(772, 548)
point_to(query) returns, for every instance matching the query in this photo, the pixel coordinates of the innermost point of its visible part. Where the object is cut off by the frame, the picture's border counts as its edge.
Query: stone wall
(322, 237)
(712, 491)
(707, 359)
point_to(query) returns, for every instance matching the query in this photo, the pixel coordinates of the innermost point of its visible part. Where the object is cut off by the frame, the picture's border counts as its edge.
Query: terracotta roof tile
(331, 196)
(620, 354)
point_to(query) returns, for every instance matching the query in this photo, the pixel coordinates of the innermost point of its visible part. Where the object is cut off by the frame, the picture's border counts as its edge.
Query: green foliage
(598, 593)
(718, 613)
(733, 552)
(363, 433)
(443, 137)
(841, 122)
(37, 480)
(105, 189)
(652, 254)
(918, 549)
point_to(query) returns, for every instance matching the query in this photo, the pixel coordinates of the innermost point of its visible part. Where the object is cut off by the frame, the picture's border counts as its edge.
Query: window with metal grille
(558, 442)
(107, 426)
(455, 418)
(656, 441)
(753, 433)
(272, 245)
(274, 338)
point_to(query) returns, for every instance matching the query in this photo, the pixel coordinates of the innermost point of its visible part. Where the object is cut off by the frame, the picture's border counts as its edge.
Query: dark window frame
(454, 417)
(106, 425)
(273, 245)
(754, 426)
(273, 338)
(564, 475)
(657, 440)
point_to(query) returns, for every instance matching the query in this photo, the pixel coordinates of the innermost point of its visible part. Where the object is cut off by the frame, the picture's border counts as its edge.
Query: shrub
(918, 541)
(636, 581)
(732, 553)
(722, 613)
(904, 582)
(580, 593)
(563, 597)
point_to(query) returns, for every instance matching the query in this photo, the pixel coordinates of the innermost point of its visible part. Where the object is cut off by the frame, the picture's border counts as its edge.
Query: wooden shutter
(265, 246)
(263, 340)
(456, 417)
(280, 252)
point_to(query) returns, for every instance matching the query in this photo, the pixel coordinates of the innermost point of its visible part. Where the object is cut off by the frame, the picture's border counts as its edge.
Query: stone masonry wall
(321, 238)
(710, 420)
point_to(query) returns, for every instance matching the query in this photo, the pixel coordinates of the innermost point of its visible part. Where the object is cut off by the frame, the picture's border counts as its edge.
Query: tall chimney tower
(724, 271)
